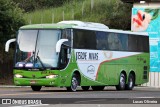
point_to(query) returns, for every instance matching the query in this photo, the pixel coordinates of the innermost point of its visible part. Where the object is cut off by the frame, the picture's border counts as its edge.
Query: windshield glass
(36, 48)
(46, 47)
(27, 40)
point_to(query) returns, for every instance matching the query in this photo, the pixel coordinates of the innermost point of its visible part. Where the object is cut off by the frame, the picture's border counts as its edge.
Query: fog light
(51, 76)
(18, 76)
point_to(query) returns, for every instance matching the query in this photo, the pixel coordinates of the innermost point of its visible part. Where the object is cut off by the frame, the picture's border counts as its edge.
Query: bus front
(37, 62)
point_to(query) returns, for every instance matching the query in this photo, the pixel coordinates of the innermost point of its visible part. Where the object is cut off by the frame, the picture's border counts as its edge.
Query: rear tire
(36, 88)
(98, 88)
(74, 84)
(85, 88)
(122, 82)
(131, 82)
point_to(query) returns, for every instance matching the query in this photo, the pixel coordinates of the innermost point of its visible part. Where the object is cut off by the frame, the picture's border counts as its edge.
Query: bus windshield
(36, 48)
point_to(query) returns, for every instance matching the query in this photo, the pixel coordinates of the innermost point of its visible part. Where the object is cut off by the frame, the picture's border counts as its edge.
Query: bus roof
(67, 24)
(80, 25)
(47, 26)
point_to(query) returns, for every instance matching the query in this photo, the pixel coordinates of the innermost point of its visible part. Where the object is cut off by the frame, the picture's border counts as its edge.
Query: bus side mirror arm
(59, 43)
(8, 43)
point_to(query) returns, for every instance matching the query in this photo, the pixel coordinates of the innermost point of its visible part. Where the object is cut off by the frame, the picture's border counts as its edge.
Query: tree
(10, 20)
(114, 13)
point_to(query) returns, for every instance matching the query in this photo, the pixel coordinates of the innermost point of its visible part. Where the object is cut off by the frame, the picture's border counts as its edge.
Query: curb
(12, 86)
(147, 87)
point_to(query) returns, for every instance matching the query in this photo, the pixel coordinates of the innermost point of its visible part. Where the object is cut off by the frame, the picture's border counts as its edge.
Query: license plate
(32, 82)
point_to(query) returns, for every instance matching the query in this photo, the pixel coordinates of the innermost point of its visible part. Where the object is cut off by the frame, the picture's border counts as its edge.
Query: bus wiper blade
(44, 68)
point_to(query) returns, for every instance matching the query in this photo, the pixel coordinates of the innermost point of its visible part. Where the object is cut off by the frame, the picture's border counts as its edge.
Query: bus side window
(114, 42)
(140, 44)
(89, 39)
(78, 39)
(84, 39)
(123, 39)
(66, 34)
(102, 43)
(132, 43)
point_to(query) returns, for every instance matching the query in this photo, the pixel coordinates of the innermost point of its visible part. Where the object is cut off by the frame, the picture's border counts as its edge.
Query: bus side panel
(142, 73)
(106, 68)
(67, 73)
(112, 69)
(109, 74)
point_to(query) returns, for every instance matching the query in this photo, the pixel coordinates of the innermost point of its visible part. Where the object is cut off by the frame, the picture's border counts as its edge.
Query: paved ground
(54, 92)
(59, 96)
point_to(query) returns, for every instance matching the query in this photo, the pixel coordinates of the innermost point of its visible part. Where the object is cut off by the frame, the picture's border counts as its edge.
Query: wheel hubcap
(130, 82)
(74, 84)
(122, 81)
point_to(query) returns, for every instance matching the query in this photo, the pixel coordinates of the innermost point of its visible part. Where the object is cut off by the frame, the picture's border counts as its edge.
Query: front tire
(36, 88)
(122, 82)
(131, 82)
(74, 84)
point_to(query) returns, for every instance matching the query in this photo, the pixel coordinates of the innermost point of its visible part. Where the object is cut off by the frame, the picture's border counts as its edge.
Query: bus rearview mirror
(59, 43)
(8, 44)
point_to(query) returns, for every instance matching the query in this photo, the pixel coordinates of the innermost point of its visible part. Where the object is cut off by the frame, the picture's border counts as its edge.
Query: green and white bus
(75, 53)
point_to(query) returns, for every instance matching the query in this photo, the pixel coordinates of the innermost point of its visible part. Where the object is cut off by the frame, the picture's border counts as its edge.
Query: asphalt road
(109, 96)
(54, 92)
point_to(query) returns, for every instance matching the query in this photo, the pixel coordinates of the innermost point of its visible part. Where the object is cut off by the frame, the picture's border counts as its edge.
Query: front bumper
(35, 82)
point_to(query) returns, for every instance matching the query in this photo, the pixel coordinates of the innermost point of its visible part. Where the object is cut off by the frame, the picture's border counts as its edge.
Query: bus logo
(91, 69)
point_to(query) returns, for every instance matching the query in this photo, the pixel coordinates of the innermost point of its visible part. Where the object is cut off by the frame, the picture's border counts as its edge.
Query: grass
(103, 11)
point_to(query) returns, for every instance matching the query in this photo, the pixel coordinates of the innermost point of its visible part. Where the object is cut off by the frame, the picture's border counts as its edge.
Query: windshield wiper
(44, 68)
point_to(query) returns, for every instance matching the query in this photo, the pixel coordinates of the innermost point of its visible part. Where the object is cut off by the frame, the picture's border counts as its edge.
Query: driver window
(66, 34)
(64, 56)
(65, 49)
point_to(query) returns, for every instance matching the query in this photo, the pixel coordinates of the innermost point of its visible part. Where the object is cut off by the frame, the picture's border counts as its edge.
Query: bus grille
(145, 72)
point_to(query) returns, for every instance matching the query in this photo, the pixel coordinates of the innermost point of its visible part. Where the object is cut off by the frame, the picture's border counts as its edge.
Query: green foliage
(10, 21)
(31, 5)
(113, 13)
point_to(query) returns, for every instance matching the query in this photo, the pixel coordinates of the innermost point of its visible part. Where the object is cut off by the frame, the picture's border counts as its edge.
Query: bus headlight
(51, 76)
(18, 76)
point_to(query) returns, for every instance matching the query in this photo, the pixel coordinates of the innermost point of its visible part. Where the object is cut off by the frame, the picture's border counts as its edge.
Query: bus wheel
(131, 82)
(74, 84)
(85, 88)
(97, 88)
(122, 82)
(36, 88)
